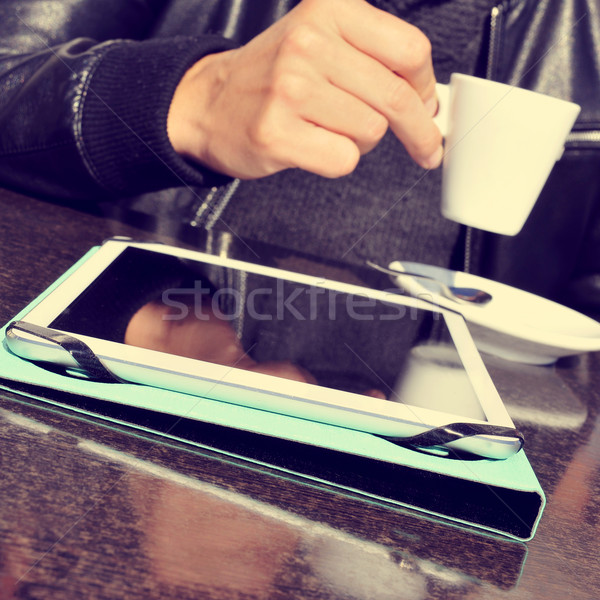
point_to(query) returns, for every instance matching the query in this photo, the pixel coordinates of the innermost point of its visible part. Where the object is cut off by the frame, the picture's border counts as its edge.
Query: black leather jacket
(55, 102)
(553, 46)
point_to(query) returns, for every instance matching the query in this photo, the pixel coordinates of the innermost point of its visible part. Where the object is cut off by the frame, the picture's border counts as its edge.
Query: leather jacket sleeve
(84, 99)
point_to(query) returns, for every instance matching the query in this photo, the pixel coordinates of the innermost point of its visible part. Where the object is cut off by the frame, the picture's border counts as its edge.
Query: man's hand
(316, 90)
(204, 336)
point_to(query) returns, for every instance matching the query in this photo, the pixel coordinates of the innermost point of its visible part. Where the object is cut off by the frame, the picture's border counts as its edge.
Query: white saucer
(515, 325)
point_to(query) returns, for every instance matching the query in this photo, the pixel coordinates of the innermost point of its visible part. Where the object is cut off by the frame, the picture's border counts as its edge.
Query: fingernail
(435, 160)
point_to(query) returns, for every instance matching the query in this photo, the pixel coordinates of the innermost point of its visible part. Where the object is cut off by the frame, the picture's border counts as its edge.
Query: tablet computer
(273, 340)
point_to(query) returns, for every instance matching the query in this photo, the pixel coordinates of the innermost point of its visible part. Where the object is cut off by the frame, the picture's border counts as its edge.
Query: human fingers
(311, 83)
(375, 393)
(398, 45)
(391, 71)
(314, 101)
(284, 369)
(296, 119)
(368, 86)
(298, 143)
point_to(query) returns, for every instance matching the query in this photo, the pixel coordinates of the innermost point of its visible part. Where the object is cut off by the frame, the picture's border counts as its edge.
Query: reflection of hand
(204, 543)
(315, 91)
(17, 558)
(210, 338)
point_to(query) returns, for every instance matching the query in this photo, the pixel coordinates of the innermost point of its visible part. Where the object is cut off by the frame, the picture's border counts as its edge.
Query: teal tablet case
(501, 496)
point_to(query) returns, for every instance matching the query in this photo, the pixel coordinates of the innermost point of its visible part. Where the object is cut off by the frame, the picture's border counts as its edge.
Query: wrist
(188, 120)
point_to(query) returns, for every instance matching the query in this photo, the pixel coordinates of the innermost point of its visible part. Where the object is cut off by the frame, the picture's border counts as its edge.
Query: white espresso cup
(501, 143)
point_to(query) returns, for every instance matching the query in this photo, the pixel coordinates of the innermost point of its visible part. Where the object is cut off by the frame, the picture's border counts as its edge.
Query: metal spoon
(464, 295)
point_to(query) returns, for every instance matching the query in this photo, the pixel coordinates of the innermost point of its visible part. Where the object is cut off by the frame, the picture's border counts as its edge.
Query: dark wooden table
(90, 509)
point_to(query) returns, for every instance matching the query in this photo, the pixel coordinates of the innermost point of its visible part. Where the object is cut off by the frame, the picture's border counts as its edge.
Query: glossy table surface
(91, 509)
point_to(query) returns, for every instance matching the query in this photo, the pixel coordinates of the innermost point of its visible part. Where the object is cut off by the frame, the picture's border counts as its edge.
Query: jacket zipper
(213, 204)
(496, 19)
(585, 136)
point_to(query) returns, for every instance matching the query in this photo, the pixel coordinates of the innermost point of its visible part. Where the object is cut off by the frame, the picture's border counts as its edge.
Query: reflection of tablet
(376, 361)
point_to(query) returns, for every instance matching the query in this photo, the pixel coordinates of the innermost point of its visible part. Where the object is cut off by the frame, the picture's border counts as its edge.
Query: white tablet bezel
(268, 392)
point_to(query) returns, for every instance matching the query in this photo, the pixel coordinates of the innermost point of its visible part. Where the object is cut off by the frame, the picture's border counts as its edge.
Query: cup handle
(442, 117)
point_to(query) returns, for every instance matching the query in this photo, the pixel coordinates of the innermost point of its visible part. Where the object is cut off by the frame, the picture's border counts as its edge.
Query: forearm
(88, 119)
